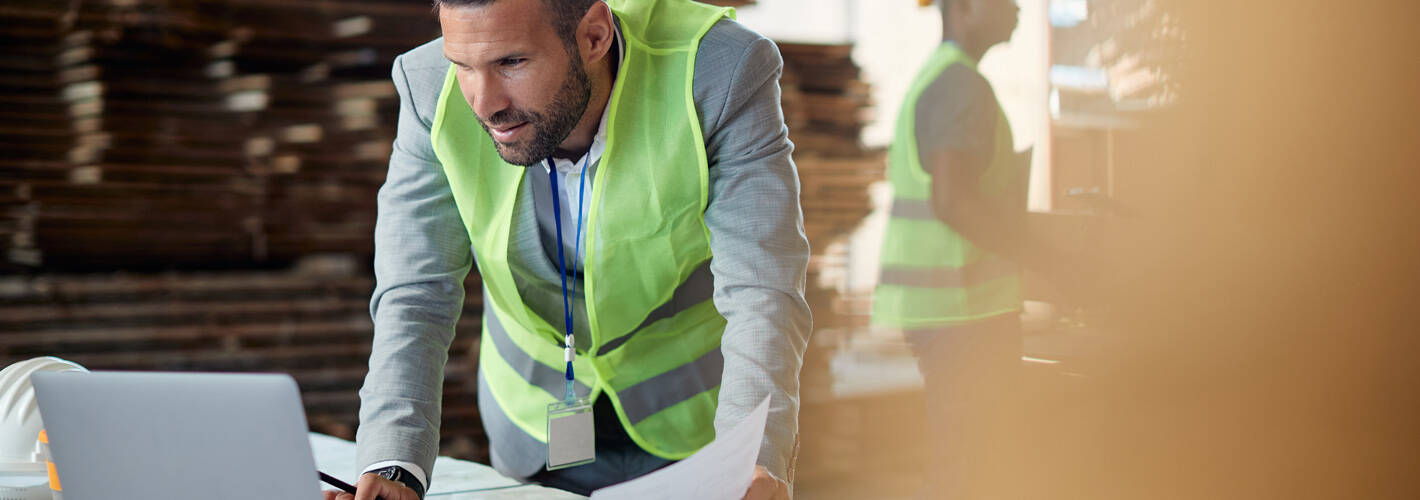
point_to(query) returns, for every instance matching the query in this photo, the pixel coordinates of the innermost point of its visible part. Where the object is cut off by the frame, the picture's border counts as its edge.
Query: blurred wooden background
(191, 185)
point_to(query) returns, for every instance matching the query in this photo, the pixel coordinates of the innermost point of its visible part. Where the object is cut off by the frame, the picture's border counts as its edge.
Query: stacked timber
(215, 134)
(196, 132)
(174, 182)
(826, 106)
(48, 111)
(331, 117)
(312, 322)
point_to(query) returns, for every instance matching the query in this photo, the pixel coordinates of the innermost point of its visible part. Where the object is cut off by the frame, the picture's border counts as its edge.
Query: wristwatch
(398, 474)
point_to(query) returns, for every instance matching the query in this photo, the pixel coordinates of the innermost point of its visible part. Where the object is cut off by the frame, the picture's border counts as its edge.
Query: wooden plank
(99, 337)
(66, 287)
(52, 315)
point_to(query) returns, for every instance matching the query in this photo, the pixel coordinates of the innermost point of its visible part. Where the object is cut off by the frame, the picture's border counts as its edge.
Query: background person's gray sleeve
(422, 255)
(957, 112)
(756, 235)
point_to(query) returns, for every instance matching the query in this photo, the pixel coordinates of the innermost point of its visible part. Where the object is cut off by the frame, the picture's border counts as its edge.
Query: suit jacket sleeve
(757, 236)
(422, 255)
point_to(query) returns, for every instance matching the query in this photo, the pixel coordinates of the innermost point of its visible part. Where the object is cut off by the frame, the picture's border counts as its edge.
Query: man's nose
(485, 96)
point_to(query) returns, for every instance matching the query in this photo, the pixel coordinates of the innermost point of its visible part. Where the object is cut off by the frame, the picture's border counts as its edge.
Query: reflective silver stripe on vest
(667, 389)
(698, 287)
(948, 277)
(513, 451)
(550, 379)
(913, 209)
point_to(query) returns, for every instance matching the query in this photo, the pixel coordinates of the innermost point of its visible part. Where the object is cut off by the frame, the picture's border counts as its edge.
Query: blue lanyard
(569, 351)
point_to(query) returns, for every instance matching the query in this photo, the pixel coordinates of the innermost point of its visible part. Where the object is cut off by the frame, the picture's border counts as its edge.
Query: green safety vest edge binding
(662, 376)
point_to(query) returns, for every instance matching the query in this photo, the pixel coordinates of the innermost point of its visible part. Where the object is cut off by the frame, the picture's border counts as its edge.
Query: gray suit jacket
(757, 237)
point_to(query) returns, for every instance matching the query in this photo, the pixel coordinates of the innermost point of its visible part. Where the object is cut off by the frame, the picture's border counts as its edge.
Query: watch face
(389, 473)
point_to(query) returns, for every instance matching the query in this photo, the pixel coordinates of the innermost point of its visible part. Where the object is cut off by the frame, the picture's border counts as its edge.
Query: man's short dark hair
(566, 14)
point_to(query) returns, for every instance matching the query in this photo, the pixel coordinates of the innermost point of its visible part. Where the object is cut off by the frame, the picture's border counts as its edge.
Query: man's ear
(595, 33)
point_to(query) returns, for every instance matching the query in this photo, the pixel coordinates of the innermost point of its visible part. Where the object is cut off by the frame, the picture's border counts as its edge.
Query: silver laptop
(143, 436)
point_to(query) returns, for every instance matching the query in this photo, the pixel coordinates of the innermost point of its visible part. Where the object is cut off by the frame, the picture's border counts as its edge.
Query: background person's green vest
(932, 276)
(645, 235)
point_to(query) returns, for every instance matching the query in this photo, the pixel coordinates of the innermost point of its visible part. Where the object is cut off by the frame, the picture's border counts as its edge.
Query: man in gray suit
(539, 76)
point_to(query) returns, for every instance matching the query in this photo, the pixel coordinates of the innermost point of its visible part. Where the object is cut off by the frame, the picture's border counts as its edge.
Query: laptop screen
(147, 435)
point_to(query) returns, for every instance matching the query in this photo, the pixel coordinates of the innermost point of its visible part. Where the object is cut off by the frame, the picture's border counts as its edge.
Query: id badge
(571, 440)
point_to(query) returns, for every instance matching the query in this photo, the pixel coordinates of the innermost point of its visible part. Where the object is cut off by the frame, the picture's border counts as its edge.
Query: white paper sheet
(722, 470)
(453, 479)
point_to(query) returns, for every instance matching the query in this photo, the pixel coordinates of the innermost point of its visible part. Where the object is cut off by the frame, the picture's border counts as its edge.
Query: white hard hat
(19, 416)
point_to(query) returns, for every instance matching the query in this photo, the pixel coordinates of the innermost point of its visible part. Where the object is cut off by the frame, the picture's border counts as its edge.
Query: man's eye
(512, 61)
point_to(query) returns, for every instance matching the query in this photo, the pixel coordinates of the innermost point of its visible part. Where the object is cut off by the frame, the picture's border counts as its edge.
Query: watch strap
(400, 475)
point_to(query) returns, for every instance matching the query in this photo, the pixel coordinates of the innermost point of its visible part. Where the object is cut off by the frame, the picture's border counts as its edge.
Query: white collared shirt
(569, 187)
(570, 173)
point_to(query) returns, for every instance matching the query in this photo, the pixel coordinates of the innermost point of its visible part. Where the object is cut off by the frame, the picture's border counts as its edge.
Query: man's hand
(374, 485)
(765, 487)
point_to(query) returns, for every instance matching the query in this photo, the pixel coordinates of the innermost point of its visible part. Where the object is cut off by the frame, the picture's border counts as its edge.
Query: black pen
(344, 486)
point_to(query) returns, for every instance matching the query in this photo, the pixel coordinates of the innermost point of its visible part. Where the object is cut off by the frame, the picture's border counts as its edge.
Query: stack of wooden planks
(312, 322)
(47, 110)
(826, 106)
(189, 132)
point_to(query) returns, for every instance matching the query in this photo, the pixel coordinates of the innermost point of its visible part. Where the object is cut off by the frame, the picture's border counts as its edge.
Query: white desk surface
(453, 479)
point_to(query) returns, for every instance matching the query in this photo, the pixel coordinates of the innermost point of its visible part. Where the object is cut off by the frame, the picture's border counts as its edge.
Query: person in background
(956, 238)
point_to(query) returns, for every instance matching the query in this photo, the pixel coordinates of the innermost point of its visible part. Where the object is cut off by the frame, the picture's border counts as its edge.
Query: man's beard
(549, 129)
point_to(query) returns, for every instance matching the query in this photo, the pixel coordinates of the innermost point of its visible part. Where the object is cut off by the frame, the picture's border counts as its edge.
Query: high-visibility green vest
(644, 238)
(931, 275)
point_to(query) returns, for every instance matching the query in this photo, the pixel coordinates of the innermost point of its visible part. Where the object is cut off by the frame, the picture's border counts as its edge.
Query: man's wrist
(411, 467)
(400, 475)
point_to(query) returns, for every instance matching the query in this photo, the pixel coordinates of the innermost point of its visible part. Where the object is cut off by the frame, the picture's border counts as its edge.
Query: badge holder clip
(570, 434)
